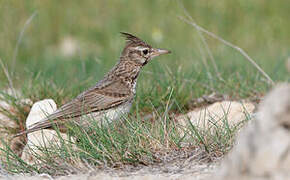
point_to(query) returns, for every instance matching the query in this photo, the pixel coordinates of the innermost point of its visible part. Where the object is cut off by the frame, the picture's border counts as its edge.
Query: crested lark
(111, 96)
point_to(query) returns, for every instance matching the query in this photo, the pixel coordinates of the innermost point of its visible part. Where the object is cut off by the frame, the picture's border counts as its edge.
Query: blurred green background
(73, 43)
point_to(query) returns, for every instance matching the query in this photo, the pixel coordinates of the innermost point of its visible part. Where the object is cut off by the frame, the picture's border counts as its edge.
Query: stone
(43, 138)
(262, 149)
(7, 124)
(216, 114)
(40, 110)
(40, 140)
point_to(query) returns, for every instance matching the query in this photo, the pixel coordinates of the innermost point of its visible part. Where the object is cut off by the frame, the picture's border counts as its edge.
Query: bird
(110, 97)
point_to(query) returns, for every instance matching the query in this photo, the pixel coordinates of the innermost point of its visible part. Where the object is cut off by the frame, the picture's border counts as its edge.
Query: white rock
(232, 111)
(40, 110)
(263, 148)
(40, 139)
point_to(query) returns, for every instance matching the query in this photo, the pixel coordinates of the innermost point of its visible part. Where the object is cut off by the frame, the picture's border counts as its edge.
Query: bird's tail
(36, 127)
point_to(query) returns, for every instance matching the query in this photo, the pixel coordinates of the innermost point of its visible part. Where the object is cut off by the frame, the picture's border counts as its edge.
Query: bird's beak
(158, 52)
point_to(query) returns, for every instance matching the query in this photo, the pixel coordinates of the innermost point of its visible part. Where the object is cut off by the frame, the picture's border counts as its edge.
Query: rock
(40, 141)
(44, 138)
(263, 148)
(5, 122)
(7, 125)
(40, 110)
(232, 111)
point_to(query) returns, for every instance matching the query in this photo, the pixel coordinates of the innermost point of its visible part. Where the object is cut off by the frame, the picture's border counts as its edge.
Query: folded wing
(96, 99)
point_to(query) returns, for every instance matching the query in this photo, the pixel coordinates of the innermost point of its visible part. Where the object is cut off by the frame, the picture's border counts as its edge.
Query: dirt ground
(194, 171)
(176, 166)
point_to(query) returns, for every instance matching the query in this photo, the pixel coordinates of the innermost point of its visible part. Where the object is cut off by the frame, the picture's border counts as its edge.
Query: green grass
(258, 27)
(166, 86)
(132, 141)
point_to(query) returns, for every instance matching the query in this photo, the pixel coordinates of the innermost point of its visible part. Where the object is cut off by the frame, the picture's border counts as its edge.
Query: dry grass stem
(28, 21)
(10, 82)
(199, 28)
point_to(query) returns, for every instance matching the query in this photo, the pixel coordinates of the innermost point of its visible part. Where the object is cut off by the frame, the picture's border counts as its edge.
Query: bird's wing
(99, 98)
(93, 100)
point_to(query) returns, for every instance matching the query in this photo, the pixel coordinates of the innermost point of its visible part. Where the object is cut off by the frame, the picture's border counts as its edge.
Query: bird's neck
(127, 71)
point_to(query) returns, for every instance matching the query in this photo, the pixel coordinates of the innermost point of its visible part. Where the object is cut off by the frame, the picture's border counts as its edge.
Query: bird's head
(138, 51)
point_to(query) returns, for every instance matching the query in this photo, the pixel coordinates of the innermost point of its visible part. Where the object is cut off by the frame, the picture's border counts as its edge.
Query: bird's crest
(131, 39)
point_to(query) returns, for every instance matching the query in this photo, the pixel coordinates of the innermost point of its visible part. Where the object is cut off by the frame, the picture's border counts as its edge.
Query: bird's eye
(145, 51)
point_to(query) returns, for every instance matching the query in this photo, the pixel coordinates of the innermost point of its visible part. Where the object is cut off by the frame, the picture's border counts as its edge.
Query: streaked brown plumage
(115, 91)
